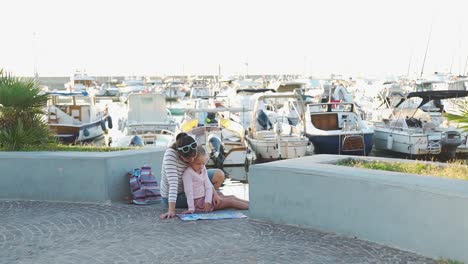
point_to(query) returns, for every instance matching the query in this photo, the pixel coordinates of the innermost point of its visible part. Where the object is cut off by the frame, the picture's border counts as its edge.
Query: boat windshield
(330, 107)
(68, 100)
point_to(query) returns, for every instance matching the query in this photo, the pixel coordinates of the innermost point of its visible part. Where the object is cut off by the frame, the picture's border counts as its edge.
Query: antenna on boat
(427, 47)
(466, 63)
(409, 64)
(36, 75)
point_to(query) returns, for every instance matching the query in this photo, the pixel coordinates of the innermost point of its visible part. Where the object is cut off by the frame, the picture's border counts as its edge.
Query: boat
(80, 82)
(336, 128)
(286, 86)
(108, 88)
(148, 122)
(272, 137)
(409, 130)
(174, 90)
(335, 91)
(200, 88)
(75, 117)
(222, 137)
(130, 86)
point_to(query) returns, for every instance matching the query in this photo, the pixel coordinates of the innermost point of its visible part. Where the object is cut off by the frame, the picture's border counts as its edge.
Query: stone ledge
(95, 177)
(423, 214)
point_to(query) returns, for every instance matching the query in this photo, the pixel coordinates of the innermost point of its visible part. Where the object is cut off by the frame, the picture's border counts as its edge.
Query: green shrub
(22, 121)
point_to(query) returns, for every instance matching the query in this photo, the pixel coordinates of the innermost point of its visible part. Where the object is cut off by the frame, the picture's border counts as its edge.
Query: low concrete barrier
(94, 177)
(423, 214)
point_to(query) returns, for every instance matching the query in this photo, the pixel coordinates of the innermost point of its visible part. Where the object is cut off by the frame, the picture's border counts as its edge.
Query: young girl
(199, 190)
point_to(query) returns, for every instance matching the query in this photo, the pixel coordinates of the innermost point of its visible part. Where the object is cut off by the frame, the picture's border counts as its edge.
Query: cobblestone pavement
(45, 232)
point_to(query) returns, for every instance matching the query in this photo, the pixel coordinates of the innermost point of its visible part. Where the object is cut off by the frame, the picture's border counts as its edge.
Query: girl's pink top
(197, 185)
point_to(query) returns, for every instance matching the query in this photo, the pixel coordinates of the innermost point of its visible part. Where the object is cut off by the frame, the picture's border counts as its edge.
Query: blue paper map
(216, 215)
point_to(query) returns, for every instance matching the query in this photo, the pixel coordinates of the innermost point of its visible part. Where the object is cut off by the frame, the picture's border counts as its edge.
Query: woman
(176, 159)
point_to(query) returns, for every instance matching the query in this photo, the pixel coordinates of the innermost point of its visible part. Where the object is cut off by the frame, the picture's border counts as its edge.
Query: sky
(138, 37)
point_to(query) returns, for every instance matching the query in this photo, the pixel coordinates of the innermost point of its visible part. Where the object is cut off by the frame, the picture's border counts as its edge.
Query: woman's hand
(216, 198)
(169, 214)
(208, 207)
(188, 212)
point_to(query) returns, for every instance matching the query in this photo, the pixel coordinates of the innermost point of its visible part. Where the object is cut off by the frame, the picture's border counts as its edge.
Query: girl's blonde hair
(201, 152)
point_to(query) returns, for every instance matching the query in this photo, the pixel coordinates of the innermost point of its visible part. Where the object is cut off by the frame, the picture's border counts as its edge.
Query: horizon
(359, 38)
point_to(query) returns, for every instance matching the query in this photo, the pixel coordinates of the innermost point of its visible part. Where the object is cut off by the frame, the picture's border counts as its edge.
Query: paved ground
(44, 232)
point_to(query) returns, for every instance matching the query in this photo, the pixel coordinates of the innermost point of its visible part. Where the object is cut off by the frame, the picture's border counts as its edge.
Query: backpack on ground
(144, 187)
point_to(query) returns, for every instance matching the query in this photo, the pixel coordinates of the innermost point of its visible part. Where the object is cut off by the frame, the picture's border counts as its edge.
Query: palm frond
(20, 93)
(21, 114)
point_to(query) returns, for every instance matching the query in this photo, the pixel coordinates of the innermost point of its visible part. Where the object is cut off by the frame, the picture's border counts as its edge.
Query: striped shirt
(171, 175)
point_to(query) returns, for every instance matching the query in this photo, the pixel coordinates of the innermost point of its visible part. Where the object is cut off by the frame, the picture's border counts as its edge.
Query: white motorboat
(75, 117)
(130, 86)
(148, 122)
(108, 88)
(272, 137)
(412, 131)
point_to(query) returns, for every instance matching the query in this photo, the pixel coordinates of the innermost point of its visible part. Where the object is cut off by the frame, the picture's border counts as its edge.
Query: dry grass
(448, 261)
(454, 170)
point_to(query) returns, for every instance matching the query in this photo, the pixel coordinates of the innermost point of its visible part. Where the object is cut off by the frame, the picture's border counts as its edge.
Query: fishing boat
(148, 122)
(336, 128)
(75, 117)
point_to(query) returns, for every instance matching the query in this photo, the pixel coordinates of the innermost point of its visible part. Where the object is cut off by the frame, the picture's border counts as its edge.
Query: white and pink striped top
(171, 175)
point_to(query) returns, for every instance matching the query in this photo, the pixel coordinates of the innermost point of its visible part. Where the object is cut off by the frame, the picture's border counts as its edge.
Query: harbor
(379, 106)
(234, 132)
(297, 132)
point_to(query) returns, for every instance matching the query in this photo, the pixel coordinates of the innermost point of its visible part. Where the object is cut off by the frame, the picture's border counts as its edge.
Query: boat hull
(411, 144)
(72, 134)
(269, 150)
(361, 144)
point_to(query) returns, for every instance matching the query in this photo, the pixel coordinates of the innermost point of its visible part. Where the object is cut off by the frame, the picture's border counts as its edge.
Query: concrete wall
(427, 215)
(72, 176)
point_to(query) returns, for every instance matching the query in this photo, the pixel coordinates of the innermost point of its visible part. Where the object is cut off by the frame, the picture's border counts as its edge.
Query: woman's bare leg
(229, 202)
(234, 197)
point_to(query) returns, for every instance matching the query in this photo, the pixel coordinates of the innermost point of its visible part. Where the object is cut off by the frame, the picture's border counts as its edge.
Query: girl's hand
(188, 212)
(169, 214)
(208, 207)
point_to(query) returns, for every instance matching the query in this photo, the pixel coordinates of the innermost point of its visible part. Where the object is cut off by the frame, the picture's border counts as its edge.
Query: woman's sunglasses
(187, 148)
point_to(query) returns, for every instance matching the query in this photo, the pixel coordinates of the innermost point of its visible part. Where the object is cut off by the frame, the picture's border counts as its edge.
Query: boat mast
(425, 54)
